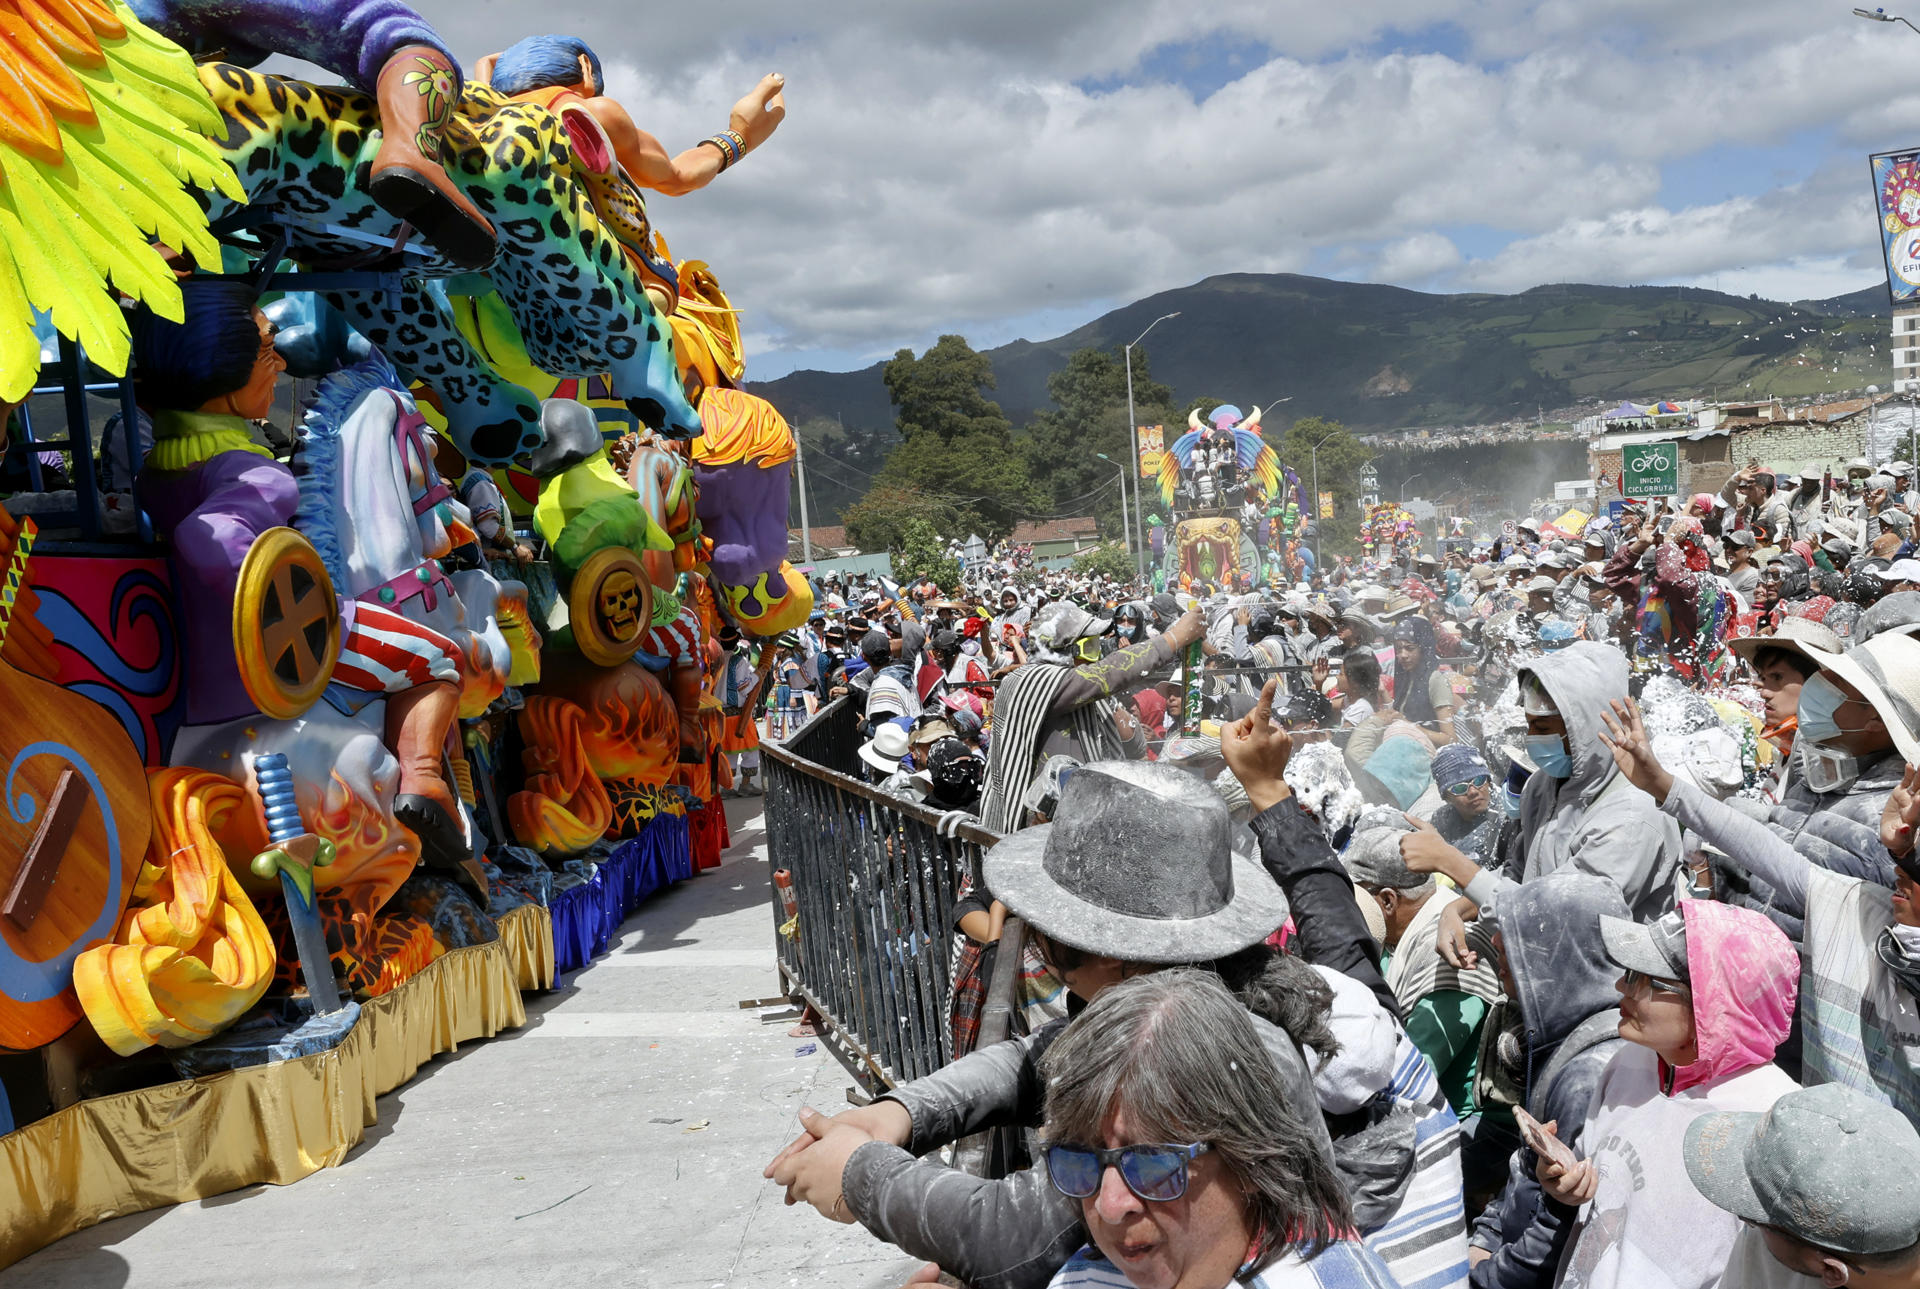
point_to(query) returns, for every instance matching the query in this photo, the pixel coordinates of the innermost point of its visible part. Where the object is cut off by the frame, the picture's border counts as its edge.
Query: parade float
(377, 489)
(1390, 532)
(1238, 516)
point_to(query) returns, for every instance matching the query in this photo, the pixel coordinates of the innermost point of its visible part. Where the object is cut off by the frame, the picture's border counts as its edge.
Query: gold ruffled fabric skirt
(266, 1123)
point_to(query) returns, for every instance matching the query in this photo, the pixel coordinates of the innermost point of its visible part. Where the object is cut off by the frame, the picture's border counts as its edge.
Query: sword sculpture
(295, 855)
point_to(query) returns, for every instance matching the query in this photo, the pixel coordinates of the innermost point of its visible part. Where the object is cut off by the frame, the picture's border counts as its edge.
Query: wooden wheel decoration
(610, 606)
(286, 624)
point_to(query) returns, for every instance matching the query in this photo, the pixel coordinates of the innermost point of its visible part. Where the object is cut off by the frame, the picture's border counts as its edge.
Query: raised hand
(1626, 737)
(1424, 850)
(1901, 813)
(1257, 751)
(759, 114)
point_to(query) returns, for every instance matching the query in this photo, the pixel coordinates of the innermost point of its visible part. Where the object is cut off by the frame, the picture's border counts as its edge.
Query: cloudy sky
(1008, 168)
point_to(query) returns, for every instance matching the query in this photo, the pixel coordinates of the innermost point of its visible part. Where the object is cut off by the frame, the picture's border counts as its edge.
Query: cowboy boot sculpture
(418, 89)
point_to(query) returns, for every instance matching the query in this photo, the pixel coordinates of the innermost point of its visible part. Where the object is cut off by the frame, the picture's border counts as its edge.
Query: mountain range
(1383, 357)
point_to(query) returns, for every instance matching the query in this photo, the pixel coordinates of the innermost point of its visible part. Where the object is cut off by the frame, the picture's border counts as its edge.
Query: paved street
(617, 1139)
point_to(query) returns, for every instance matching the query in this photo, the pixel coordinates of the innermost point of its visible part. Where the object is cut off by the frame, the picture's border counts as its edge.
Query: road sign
(1509, 530)
(1650, 470)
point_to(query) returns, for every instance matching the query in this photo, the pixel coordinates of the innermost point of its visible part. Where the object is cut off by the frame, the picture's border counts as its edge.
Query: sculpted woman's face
(1195, 1242)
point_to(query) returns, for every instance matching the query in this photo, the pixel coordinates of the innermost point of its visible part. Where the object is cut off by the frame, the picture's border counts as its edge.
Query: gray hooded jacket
(1595, 822)
(1569, 1017)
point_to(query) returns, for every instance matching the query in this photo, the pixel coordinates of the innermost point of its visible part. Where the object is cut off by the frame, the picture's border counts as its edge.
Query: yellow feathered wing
(103, 126)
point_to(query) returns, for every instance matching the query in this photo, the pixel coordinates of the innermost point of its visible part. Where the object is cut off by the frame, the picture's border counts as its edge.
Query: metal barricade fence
(874, 880)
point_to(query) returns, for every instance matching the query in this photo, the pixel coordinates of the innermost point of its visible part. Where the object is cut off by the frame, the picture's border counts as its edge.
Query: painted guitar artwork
(73, 832)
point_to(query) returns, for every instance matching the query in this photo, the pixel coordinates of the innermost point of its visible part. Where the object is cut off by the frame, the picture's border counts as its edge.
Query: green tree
(1340, 458)
(956, 445)
(879, 520)
(1089, 416)
(1108, 559)
(923, 554)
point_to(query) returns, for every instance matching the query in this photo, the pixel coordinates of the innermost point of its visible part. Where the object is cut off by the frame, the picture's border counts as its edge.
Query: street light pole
(1125, 531)
(806, 524)
(1313, 454)
(1133, 438)
(1881, 15)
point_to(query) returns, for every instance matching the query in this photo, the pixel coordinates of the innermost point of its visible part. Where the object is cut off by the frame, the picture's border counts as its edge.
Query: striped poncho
(1862, 1025)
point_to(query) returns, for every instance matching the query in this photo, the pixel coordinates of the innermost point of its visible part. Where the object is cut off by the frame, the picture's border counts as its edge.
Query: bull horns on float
(1193, 421)
(1251, 421)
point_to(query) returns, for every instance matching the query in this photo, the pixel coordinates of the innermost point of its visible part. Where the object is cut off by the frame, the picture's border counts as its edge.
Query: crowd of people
(1541, 912)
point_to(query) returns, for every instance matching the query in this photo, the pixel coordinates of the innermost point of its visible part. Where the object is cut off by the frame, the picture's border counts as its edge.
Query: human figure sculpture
(557, 69)
(380, 46)
(207, 484)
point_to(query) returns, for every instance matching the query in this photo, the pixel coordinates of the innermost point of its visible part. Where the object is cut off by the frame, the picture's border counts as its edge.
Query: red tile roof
(835, 537)
(1030, 531)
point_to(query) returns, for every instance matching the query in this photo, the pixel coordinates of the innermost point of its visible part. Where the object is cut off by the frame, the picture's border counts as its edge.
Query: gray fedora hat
(1138, 864)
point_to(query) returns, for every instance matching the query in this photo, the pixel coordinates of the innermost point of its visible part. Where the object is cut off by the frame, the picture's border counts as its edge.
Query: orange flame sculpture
(564, 807)
(629, 728)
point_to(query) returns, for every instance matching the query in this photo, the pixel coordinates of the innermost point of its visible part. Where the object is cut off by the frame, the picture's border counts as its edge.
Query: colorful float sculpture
(1235, 507)
(1389, 531)
(425, 668)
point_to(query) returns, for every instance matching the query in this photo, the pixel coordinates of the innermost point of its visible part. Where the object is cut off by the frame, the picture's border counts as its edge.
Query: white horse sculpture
(376, 509)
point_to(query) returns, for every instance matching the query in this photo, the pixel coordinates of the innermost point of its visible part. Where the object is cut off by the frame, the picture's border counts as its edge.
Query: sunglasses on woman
(1157, 1173)
(1654, 984)
(1467, 785)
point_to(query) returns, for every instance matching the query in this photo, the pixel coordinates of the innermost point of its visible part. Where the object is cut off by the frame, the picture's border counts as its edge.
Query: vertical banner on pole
(1153, 446)
(1896, 194)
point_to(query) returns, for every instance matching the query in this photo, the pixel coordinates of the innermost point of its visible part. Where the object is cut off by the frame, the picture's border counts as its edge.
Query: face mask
(1827, 770)
(1820, 699)
(1549, 752)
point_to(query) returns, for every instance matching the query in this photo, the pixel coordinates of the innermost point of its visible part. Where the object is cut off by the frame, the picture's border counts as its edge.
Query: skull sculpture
(620, 605)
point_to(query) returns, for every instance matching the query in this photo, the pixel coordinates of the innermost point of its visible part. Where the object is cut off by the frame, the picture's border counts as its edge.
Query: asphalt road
(617, 1139)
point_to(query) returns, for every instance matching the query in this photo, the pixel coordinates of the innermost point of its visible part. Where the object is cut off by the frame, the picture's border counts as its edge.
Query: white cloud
(940, 170)
(1416, 258)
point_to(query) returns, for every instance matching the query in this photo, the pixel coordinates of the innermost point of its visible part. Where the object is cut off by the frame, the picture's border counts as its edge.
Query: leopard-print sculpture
(303, 153)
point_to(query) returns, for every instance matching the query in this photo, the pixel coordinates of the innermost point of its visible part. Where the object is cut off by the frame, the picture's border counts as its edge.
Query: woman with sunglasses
(1171, 1129)
(1105, 906)
(1707, 995)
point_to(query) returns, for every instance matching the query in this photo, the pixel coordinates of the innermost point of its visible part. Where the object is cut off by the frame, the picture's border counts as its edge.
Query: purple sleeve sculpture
(384, 48)
(742, 463)
(350, 38)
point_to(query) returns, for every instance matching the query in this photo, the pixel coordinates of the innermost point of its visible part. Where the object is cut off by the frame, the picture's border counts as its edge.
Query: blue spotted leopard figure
(303, 152)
